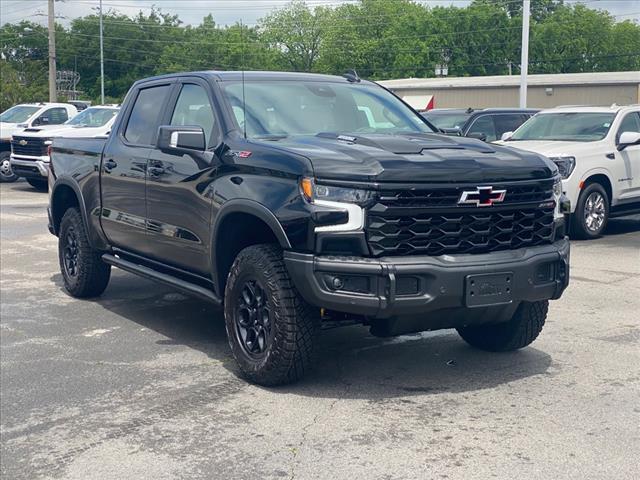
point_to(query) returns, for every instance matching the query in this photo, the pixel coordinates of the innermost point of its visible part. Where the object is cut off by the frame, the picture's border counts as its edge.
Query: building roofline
(497, 81)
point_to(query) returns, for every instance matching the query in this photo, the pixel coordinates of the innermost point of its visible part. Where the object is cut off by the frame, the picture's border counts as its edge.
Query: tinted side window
(507, 123)
(53, 116)
(484, 125)
(630, 123)
(194, 109)
(145, 114)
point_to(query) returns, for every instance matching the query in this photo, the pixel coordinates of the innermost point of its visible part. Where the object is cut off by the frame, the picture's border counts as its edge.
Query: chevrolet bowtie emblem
(482, 196)
(23, 142)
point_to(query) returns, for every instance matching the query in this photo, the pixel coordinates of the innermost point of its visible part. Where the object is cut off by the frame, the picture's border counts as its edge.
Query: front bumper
(415, 285)
(30, 167)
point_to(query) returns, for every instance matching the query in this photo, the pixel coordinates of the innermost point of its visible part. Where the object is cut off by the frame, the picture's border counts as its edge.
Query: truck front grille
(30, 146)
(421, 222)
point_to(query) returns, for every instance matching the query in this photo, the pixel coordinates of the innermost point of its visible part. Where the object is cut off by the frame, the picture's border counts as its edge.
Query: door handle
(110, 165)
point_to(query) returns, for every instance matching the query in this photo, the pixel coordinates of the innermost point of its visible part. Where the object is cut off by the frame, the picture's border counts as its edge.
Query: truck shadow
(351, 363)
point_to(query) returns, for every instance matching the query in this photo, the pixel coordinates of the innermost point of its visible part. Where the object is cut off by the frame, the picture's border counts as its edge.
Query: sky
(228, 11)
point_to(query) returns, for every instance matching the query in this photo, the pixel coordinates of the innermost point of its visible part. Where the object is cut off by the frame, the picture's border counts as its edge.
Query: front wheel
(6, 172)
(83, 271)
(592, 212)
(521, 330)
(271, 329)
(38, 184)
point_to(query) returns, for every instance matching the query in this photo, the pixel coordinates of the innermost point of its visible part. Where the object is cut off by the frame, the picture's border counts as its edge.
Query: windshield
(93, 117)
(18, 114)
(573, 127)
(277, 109)
(447, 120)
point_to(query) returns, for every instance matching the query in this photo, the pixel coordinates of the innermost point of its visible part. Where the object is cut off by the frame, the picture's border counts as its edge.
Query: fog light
(336, 283)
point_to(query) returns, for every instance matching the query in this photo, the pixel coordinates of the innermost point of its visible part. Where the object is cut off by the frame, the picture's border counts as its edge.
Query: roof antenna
(352, 76)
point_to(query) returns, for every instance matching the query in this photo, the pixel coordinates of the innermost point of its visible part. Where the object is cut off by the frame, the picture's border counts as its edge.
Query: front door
(178, 194)
(124, 167)
(629, 160)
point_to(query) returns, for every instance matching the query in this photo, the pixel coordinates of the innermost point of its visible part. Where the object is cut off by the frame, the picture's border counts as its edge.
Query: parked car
(29, 148)
(291, 199)
(597, 150)
(486, 124)
(27, 115)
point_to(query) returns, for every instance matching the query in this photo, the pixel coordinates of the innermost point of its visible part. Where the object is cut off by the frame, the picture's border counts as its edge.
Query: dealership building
(544, 91)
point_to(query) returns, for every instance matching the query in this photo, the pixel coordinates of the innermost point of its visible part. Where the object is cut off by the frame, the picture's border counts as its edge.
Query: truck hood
(65, 131)
(414, 158)
(553, 148)
(8, 129)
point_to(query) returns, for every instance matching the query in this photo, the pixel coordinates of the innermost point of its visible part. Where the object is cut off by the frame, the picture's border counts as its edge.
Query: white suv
(597, 150)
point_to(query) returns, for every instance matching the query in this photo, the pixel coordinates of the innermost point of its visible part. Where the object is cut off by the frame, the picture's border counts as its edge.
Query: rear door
(124, 165)
(178, 194)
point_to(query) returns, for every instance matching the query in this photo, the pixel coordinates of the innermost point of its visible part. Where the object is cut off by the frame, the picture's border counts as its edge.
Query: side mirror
(478, 135)
(181, 139)
(506, 136)
(451, 131)
(628, 138)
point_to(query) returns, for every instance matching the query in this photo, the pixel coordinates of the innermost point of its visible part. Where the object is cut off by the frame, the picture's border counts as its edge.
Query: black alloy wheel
(70, 253)
(253, 319)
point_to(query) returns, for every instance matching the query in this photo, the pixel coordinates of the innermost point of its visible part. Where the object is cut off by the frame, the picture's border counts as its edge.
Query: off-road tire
(294, 324)
(39, 184)
(579, 228)
(521, 330)
(92, 274)
(6, 174)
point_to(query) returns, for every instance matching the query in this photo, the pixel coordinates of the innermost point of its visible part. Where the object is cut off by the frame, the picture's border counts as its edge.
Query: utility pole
(101, 59)
(52, 53)
(524, 59)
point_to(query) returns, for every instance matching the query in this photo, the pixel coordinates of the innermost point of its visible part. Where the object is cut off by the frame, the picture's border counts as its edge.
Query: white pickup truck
(28, 115)
(29, 147)
(597, 150)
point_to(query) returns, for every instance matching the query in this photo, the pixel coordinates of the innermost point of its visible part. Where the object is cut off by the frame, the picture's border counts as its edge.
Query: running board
(151, 274)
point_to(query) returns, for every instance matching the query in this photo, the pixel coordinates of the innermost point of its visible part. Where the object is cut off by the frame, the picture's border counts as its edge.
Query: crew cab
(29, 148)
(27, 115)
(597, 150)
(486, 124)
(299, 200)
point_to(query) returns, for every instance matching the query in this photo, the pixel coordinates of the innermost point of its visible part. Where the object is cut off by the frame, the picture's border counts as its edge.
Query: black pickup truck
(297, 200)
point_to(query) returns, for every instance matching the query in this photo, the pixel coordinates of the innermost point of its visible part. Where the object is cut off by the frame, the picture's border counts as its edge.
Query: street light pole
(101, 59)
(53, 96)
(524, 58)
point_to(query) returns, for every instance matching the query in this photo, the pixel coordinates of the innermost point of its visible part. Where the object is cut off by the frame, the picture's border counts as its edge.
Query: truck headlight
(314, 192)
(350, 200)
(565, 165)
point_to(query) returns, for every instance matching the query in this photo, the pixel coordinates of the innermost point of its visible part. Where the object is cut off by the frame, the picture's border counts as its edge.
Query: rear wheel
(38, 184)
(271, 329)
(592, 212)
(521, 330)
(83, 271)
(6, 173)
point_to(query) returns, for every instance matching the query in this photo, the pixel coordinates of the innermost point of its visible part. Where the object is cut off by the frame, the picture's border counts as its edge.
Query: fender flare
(76, 190)
(250, 207)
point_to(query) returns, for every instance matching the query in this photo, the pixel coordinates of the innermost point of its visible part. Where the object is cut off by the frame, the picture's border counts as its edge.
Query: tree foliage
(381, 39)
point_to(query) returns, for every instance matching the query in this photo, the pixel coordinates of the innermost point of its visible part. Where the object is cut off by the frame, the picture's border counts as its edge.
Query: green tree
(297, 33)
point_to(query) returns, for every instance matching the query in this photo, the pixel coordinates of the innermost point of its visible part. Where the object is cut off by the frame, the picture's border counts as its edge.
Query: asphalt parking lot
(140, 384)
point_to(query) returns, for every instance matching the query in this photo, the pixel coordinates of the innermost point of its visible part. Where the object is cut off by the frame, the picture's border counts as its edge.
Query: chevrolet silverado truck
(27, 115)
(30, 147)
(298, 200)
